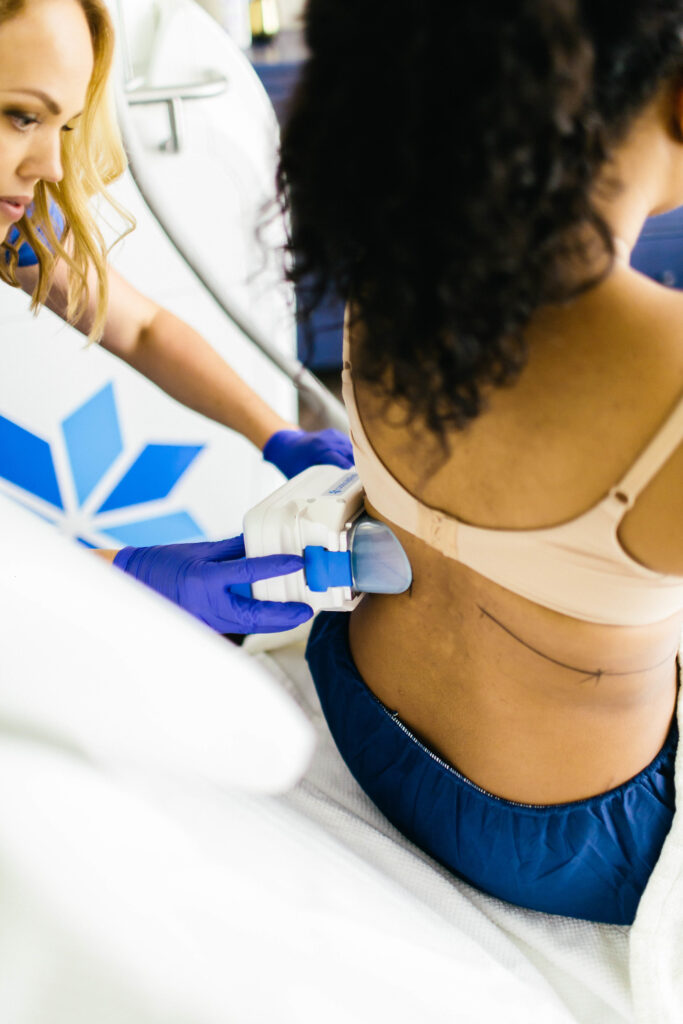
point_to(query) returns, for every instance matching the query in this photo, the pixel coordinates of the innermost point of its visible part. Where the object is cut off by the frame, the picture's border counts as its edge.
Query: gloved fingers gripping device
(319, 515)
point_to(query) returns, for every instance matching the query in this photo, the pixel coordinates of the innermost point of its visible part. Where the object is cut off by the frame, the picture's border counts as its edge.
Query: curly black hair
(438, 167)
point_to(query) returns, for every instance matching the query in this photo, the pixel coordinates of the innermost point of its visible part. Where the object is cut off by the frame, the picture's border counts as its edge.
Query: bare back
(530, 704)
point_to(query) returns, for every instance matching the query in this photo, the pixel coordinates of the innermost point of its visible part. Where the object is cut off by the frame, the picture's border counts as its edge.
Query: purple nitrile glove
(292, 451)
(200, 578)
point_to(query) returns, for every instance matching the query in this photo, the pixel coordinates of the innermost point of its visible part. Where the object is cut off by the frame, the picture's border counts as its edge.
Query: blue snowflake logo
(93, 443)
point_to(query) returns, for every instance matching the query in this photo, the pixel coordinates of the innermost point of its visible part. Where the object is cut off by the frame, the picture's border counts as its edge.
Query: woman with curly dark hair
(470, 179)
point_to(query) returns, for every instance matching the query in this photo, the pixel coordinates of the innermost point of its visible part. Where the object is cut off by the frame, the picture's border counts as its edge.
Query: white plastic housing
(317, 507)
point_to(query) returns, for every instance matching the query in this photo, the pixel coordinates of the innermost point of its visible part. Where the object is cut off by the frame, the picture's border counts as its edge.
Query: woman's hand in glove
(292, 451)
(211, 580)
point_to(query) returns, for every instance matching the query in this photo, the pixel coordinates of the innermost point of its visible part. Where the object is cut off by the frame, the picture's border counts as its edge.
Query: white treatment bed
(159, 860)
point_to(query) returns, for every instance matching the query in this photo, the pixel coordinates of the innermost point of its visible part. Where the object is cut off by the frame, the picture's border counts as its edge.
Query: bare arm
(172, 355)
(106, 554)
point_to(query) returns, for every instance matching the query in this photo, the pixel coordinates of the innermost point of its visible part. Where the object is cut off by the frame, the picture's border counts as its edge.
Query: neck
(622, 249)
(634, 186)
(626, 215)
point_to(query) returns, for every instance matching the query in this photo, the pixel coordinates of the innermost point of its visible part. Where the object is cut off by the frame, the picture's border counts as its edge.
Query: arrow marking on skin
(596, 674)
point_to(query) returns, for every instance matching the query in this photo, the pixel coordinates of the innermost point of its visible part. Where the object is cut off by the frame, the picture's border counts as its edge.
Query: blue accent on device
(241, 589)
(93, 439)
(152, 476)
(324, 569)
(174, 528)
(344, 483)
(26, 461)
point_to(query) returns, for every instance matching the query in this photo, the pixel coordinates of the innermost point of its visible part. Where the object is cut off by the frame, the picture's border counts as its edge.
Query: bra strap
(623, 494)
(651, 460)
(386, 493)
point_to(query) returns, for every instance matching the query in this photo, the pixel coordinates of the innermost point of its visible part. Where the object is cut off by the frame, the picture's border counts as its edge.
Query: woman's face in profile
(46, 61)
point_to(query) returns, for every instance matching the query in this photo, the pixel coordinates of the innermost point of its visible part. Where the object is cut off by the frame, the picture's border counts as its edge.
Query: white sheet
(657, 934)
(150, 899)
(147, 895)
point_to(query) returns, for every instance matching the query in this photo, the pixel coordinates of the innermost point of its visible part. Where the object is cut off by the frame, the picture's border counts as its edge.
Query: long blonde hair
(92, 158)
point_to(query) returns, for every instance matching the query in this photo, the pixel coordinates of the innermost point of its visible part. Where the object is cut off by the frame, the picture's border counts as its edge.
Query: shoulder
(654, 313)
(602, 374)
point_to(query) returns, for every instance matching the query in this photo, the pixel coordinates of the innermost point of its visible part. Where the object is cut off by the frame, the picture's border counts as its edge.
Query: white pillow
(93, 659)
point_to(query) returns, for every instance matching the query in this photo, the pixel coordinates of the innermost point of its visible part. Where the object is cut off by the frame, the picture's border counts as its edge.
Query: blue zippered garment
(27, 257)
(589, 859)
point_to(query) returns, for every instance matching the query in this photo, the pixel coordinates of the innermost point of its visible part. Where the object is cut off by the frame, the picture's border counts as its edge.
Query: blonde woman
(59, 148)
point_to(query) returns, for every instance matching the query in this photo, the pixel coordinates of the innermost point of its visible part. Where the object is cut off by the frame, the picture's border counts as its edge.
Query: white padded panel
(96, 661)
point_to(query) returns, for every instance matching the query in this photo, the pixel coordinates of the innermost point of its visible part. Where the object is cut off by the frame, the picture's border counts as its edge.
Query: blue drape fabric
(589, 859)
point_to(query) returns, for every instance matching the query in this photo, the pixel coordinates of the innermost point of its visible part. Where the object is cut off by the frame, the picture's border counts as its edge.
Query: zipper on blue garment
(449, 767)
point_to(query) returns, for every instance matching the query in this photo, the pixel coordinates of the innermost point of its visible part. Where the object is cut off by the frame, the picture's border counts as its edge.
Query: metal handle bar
(143, 94)
(173, 96)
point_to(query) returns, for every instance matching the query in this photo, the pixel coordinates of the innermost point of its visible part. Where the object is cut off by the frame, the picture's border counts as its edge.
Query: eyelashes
(23, 122)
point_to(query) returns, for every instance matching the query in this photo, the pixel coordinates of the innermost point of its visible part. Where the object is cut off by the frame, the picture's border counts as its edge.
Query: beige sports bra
(578, 568)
